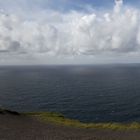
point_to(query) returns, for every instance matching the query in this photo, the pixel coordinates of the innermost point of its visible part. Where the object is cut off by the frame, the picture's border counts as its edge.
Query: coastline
(58, 118)
(54, 126)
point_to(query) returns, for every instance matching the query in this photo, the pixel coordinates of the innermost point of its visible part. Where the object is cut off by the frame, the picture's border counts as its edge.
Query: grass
(59, 119)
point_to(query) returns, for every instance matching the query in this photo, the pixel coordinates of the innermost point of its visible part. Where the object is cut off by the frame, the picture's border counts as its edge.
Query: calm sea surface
(88, 93)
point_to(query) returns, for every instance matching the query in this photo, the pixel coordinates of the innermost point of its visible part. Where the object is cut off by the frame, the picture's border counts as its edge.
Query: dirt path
(18, 127)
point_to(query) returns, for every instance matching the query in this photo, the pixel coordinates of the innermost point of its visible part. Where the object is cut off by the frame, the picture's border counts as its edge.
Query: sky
(69, 31)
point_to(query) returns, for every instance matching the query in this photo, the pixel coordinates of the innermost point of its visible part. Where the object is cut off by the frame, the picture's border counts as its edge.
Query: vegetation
(59, 119)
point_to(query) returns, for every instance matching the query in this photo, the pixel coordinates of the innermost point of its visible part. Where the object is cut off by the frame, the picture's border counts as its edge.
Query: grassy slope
(60, 119)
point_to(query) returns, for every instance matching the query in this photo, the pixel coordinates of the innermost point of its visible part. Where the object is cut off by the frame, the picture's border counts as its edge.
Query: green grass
(59, 119)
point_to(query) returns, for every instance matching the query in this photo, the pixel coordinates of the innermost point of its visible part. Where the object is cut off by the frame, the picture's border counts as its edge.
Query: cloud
(76, 33)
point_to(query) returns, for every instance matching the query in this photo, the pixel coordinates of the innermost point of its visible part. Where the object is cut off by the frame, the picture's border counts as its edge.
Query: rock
(5, 111)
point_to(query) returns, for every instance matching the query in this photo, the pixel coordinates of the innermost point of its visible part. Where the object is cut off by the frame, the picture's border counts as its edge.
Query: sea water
(89, 93)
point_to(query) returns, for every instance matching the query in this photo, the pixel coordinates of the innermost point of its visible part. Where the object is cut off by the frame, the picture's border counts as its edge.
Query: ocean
(89, 93)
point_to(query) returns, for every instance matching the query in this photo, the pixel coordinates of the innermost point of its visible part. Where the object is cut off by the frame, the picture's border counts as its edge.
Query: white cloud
(52, 33)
